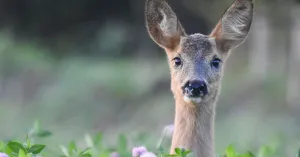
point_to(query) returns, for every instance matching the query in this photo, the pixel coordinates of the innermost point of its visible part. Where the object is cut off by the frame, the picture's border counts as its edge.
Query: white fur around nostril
(192, 100)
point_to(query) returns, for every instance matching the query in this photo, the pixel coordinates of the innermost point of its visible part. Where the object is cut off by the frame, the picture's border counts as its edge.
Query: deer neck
(194, 128)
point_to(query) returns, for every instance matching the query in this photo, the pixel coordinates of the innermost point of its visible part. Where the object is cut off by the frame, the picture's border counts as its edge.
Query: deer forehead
(197, 45)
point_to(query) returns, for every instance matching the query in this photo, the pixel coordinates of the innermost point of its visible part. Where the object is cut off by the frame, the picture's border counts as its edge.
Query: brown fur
(194, 122)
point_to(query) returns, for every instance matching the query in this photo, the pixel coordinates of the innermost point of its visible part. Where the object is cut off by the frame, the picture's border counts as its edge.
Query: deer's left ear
(233, 28)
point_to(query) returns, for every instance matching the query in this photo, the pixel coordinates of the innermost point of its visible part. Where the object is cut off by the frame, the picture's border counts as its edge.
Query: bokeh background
(87, 66)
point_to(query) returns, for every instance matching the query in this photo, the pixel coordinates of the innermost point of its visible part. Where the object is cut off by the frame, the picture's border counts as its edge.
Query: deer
(196, 63)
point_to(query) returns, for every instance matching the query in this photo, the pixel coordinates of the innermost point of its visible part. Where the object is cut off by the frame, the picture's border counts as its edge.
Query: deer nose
(195, 88)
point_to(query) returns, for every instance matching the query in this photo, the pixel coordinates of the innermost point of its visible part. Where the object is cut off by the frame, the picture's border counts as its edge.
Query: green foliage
(231, 152)
(37, 131)
(73, 151)
(94, 147)
(17, 149)
(179, 153)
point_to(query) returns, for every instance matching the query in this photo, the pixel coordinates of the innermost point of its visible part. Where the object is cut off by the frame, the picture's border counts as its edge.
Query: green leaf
(2, 146)
(36, 149)
(38, 132)
(28, 142)
(122, 144)
(16, 147)
(265, 151)
(89, 141)
(178, 151)
(72, 147)
(248, 154)
(65, 151)
(43, 133)
(84, 151)
(21, 153)
(186, 152)
(9, 152)
(98, 139)
(230, 151)
(160, 149)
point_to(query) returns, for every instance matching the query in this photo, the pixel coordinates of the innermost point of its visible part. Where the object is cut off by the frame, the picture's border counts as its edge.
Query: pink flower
(3, 155)
(138, 151)
(148, 154)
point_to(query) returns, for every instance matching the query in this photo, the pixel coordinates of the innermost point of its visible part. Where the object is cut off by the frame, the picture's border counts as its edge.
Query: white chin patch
(192, 100)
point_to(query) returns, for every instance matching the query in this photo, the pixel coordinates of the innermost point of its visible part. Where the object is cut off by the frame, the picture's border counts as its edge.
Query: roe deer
(196, 63)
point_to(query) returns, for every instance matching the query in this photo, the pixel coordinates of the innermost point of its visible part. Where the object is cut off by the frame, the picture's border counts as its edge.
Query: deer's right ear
(162, 24)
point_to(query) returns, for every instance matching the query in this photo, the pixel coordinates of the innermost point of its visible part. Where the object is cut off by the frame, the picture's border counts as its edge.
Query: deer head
(196, 61)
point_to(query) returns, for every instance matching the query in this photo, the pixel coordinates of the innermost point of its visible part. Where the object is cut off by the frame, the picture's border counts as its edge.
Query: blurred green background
(86, 66)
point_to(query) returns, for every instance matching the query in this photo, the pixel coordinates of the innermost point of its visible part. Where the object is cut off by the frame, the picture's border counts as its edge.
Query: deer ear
(162, 24)
(233, 28)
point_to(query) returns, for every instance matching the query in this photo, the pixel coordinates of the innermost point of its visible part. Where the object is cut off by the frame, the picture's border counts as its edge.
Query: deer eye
(177, 61)
(216, 63)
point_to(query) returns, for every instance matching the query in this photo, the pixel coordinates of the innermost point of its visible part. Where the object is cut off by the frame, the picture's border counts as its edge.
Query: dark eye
(216, 63)
(177, 61)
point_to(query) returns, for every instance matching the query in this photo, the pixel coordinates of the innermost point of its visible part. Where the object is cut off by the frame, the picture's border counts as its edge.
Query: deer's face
(196, 68)
(196, 61)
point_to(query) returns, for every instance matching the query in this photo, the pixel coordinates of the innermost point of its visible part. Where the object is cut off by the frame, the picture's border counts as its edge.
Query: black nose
(195, 88)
